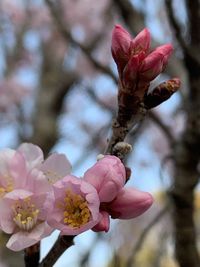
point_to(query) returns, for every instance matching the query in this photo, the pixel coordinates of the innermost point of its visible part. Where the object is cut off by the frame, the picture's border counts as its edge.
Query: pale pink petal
(6, 156)
(107, 176)
(32, 153)
(22, 239)
(130, 203)
(6, 217)
(18, 194)
(104, 223)
(55, 167)
(37, 182)
(18, 170)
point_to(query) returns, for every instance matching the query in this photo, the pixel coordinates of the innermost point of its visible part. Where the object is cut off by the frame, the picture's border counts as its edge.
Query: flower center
(76, 212)
(25, 214)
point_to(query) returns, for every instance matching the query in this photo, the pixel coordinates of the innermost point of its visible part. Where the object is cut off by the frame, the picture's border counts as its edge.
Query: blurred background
(58, 89)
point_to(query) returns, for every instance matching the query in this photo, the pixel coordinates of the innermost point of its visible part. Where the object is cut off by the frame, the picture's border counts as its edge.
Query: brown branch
(144, 234)
(69, 38)
(60, 246)
(32, 255)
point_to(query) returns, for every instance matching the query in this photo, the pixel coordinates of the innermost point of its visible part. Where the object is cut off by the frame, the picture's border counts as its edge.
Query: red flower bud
(141, 43)
(121, 40)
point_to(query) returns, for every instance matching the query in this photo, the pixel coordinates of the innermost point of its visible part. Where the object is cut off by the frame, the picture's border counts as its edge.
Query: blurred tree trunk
(187, 148)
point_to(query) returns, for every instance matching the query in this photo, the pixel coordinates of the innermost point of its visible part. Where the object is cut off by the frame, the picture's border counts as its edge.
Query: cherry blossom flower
(76, 206)
(108, 177)
(24, 213)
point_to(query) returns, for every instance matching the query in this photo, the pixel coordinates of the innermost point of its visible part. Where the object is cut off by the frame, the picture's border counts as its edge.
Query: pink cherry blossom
(76, 207)
(24, 213)
(108, 177)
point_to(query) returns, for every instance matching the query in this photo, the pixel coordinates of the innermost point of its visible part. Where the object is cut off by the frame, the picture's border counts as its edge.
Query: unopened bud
(161, 93)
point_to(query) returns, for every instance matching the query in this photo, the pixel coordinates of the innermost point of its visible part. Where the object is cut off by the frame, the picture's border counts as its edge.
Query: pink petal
(6, 217)
(22, 239)
(141, 42)
(130, 203)
(18, 170)
(6, 156)
(104, 223)
(107, 176)
(32, 153)
(130, 72)
(55, 167)
(37, 182)
(121, 40)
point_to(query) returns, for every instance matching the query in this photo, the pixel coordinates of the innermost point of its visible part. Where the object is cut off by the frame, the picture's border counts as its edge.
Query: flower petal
(22, 239)
(141, 42)
(32, 153)
(130, 203)
(121, 40)
(107, 176)
(55, 167)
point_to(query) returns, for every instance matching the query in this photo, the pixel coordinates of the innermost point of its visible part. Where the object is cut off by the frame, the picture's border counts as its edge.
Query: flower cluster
(38, 196)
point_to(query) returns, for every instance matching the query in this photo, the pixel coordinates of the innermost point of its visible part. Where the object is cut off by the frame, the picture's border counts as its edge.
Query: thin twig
(62, 243)
(32, 255)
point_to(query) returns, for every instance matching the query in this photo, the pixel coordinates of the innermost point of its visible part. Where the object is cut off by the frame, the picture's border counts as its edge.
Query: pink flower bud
(130, 72)
(121, 40)
(130, 203)
(155, 62)
(107, 176)
(141, 42)
(166, 50)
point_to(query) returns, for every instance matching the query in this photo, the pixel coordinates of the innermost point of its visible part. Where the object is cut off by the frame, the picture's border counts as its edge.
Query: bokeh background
(58, 89)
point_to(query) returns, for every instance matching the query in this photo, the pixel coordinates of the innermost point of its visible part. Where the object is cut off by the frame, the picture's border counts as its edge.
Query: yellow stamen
(76, 212)
(26, 214)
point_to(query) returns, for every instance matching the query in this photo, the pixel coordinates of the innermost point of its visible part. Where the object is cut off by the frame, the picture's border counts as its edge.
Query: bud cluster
(137, 67)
